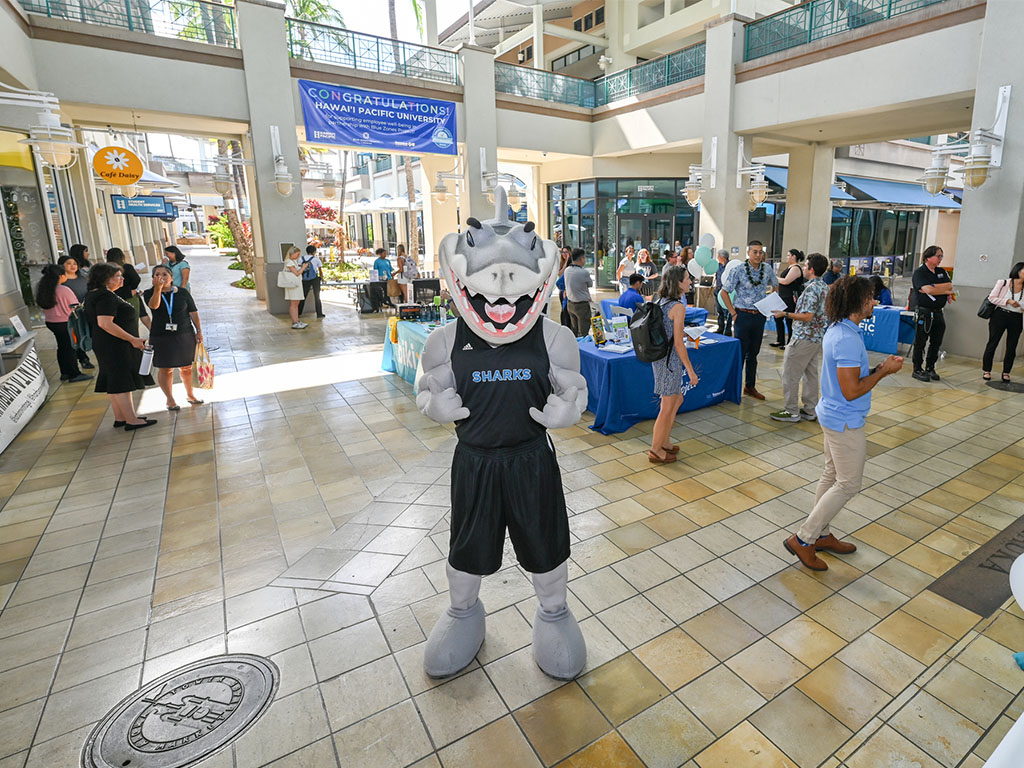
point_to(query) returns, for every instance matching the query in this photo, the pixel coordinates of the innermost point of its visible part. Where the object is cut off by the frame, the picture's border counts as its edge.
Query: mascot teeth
(500, 313)
(489, 327)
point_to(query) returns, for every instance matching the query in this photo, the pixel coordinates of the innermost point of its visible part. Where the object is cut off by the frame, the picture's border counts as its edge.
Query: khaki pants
(845, 454)
(802, 360)
(579, 315)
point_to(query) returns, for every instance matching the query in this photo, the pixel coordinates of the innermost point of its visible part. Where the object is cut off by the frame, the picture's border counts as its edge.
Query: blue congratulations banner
(352, 117)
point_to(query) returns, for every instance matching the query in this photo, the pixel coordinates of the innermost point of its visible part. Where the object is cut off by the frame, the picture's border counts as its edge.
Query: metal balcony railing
(817, 19)
(198, 21)
(335, 45)
(657, 73)
(541, 84)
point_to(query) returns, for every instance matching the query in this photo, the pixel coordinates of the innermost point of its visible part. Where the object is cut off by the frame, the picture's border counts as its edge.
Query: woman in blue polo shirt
(846, 384)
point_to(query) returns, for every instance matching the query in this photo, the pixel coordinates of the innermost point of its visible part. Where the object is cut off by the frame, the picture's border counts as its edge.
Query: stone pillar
(808, 199)
(430, 21)
(263, 42)
(992, 218)
(538, 37)
(480, 129)
(93, 231)
(724, 209)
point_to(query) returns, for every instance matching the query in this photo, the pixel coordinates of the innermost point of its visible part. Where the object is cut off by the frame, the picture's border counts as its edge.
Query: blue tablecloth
(694, 315)
(404, 357)
(886, 329)
(620, 388)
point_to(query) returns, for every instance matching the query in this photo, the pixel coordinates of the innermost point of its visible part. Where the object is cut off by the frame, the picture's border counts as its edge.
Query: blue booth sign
(352, 117)
(143, 205)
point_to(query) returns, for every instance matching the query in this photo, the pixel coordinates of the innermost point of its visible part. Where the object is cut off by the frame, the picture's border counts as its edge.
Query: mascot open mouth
(496, 314)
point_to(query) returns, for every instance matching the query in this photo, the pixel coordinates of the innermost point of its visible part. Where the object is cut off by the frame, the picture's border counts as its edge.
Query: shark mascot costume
(504, 373)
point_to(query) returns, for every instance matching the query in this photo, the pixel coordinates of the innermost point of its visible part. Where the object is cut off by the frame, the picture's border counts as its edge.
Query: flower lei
(760, 273)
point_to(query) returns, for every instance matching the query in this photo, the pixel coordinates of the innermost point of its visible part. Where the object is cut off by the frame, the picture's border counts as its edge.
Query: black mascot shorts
(518, 488)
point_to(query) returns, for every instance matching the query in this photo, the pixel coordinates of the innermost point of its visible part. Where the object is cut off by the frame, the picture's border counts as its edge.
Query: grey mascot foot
(558, 645)
(454, 641)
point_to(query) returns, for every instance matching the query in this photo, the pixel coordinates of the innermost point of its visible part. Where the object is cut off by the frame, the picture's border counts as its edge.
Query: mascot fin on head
(505, 374)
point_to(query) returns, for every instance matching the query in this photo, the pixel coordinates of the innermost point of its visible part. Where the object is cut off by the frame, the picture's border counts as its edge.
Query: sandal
(1006, 377)
(173, 407)
(656, 459)
(671, 449)
(195, 402)
(986, 376)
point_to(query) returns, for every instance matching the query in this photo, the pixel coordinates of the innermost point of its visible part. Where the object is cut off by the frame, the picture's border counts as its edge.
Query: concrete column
(263, 41)
(438, 218)
(615, 30)
(724, 209)
(992, 218)
(430, 21)
(538, 37)
(808, 199)
(259, 253)
(94, 233)
(480, 131)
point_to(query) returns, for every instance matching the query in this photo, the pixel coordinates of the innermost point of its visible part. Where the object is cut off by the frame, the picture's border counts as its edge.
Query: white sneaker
(808, 416)
(300, 325)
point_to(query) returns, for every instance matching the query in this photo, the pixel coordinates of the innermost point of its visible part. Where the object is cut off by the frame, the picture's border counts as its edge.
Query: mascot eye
(469, 239)
(534, 243)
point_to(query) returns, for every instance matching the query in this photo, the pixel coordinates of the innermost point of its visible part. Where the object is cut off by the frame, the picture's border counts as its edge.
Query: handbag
(288, 279)
(986, 309)
(394, 289)
(202, 368)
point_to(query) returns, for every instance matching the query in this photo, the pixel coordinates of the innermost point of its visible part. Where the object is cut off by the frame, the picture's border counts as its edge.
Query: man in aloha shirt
(803, 353)
(750, 282)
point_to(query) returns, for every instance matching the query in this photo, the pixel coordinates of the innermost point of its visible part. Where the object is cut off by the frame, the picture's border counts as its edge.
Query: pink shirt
(60, 311)
(1003, 292)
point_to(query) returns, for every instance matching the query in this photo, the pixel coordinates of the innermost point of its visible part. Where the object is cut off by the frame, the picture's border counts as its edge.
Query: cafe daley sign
(117, 165)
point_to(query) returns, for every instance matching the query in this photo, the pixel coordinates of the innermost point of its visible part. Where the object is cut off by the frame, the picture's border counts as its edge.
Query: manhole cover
(184, 716)
(1007, 386)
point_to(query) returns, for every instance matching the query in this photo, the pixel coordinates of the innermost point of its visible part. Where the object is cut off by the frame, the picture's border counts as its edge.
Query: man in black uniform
(505, 374)
(932, 289)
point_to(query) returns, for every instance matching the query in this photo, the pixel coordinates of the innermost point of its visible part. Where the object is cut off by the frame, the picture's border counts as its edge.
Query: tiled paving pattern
(309, 523)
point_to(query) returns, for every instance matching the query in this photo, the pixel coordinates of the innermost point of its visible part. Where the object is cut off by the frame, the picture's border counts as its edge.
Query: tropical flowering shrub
(314, 209)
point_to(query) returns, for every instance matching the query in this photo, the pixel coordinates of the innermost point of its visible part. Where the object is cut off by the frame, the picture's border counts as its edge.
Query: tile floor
(303, 515)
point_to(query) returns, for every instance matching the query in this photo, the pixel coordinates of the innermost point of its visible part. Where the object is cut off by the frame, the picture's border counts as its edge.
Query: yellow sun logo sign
(117, 165)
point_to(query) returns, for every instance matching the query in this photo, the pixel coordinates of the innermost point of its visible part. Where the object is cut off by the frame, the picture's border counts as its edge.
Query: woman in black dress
(129, 290)
(791, 283)
(115, 340)
(173, 332)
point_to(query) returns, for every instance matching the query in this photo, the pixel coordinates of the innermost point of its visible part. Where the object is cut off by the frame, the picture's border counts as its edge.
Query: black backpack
(78, 328)
(647, 327)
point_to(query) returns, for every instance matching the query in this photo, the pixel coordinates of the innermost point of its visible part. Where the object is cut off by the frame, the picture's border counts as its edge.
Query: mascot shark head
(500, 273)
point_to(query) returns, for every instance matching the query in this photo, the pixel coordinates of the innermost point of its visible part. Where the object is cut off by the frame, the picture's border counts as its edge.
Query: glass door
(659, 238)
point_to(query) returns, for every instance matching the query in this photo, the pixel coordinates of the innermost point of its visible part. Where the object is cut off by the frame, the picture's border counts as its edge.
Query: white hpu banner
(22, 391)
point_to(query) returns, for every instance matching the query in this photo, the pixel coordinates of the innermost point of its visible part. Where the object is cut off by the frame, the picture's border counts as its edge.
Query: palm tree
(410, 182)
(316, 12)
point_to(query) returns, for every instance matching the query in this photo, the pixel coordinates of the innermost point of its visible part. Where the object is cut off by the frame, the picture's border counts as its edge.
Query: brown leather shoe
(753, 393)
(656, 459)
(832, 544)
(806, 554)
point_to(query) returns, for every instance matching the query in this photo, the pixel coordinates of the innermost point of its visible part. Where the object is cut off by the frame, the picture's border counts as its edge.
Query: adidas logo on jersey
(467, 348)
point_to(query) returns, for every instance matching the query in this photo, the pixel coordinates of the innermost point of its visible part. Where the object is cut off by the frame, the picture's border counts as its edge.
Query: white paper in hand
(770, 303)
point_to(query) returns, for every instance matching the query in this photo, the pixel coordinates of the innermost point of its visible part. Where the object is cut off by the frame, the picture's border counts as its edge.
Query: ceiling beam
(571, 34)
(514, 41)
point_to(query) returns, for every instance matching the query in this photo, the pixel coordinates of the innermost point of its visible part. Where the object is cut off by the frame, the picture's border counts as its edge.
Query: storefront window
(862, 233)
(839, 240)
(887, 225)
(389, 230)
(24, 216)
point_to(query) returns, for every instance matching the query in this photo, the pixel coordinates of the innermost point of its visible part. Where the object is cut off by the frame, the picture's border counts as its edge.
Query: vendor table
(620, 388)
(423, 292)
(887, 328)
(404, 357)
(694, 315)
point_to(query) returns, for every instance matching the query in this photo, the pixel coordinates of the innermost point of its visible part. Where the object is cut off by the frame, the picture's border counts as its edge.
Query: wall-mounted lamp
(52, 143)
(282, 176)
(222, 182)
(984, 152)
(694, 187)
(758, 189)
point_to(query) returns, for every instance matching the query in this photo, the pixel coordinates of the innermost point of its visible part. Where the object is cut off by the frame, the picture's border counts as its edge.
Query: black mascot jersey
(499, 385)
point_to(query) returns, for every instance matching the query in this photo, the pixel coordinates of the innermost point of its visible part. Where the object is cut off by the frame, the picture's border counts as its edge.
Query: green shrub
(245, 282)
(235, 265)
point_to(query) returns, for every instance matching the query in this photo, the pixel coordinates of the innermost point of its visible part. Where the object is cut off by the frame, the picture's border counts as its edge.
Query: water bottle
(147, 361)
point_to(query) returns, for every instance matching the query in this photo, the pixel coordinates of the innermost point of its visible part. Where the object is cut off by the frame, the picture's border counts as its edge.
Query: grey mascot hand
(559, 411)
(441, 405)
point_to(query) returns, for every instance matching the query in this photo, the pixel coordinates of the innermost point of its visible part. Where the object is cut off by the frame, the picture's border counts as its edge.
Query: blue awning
(899, 193)
(780, 177)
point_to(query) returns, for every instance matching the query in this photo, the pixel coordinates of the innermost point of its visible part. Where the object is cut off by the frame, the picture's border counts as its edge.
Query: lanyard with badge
(171, 327)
